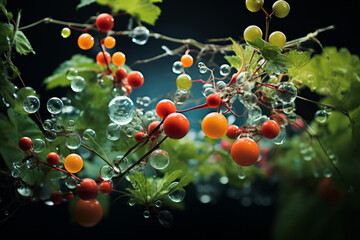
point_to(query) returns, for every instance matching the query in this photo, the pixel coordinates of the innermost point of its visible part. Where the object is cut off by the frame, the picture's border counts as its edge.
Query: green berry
(252, 32)
(65, 32)
(281, 9)
(254, 5)
(277, 38)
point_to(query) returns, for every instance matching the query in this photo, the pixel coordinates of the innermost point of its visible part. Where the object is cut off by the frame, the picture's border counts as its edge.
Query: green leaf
(4, 12)
(277, 65)
(6, 36)
(269, 52)
(298, 59)
(22, 44)
(84, 65)
(84, 3)
(235, 61)
(143, 10)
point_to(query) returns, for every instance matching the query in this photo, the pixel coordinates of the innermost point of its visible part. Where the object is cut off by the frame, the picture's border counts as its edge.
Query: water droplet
(281, 138)
(327, 173)
(71, 73)
(73, 141)
(225, 70)
(320, 116)
(146, 214)
(181, 96)
(176, 195)
(71, 182)
(50, 136)
(158, 203)
(243, 77)
(121, 110)
(24, 190)
(120, 163)
(78, 84)
(165, 218)
(31, 104)
(71, 123)
(131, 202)
(287, 92)
(146, 101)
(38, 145)
(241, 174)
(249, 99)
(106, 172)
(159, 159)
(54, 105)
(140, 35)
(113, 132)
(221, 85)
(254, 113)
(177, 67)
(88, 134)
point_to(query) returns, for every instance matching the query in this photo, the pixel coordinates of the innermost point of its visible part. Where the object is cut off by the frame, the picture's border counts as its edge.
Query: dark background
(196, 19)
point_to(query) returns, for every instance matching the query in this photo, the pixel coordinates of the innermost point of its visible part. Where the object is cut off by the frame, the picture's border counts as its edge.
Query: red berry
(128, 88)
(165, 107)
(139, 137)
(121, 73)
(152, 126)
(135, 79)
(245, 151)
(233, 131)
(56, 197)
(88, 213)
(104, 22)
(329, 192)
(225, 144)
(25, 143)
(105, 187)
(53, 158)
(270, 129)
(100, 59)
(87, 189)
(214, 100)
(176, 125)
(69, 196)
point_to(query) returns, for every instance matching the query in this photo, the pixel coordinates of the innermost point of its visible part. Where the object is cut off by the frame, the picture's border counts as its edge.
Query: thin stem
(142, 158)
(51, 20)
(98, 154)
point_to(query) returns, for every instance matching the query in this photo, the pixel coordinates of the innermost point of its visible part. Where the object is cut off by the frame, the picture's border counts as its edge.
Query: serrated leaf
(143, 10)
(277, 65)
(235, 61)
(269, 52)
(22, 44)
(298, 59)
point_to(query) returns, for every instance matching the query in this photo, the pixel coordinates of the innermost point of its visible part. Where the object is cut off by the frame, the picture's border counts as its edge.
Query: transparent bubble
(207, 86)
(31, 104)
(16, 172)
(78, 84)
(146, 101)
(225, 70)
(176, 195)
(71, 123)
(24, 190)
(106, 172)
(38, 145)
(146, 214)
(131, 202)
(113, 132)
(50, 136)
(327, 173)
(121, 110)
(321, 116)
(88, 134)
(202, 67)
(65, 32)
(158, 203)
(208, 92)
(328, 110)
(71, 182)
(249, 99)
(281, 138)
(254, 113)
(288, 107)
(73, 141)
(120, 163)
(181, 96)
(243, 77)
(286, 92)
(221, 85)
(261, 120)
(241, 174)
(159, 159)
(54, 105)
(140, 35)
(71, 73)
(57, 127)
(165, 218)
(177, 67)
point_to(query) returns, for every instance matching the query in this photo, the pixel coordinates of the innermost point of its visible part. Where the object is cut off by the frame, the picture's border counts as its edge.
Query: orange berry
(214, 125)
(245, 151)
(109, 42)
(88, 213)
(118, 58)
(187, 60)
(101, 60)
(85, 41)
(73, 163)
